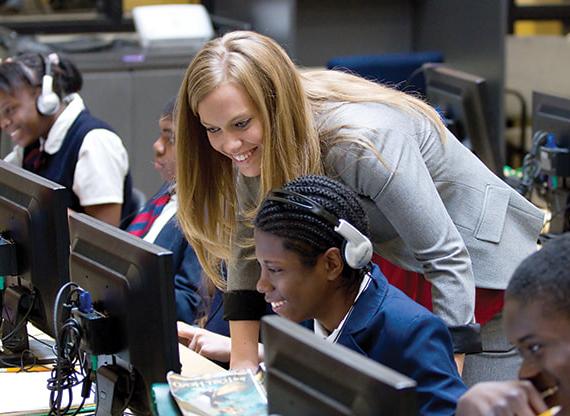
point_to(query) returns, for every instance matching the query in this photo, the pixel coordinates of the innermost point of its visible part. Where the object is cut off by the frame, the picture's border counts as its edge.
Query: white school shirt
(333, 336)
(102, 162)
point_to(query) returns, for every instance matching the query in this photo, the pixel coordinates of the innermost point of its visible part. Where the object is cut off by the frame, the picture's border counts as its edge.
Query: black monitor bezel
(551, 113)
(38, 227)
(142, 302)
(445, 87)
(307, 375)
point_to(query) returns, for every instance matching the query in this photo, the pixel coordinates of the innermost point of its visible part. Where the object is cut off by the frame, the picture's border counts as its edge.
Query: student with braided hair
(311, 241)
(249, 121)
(57, 138)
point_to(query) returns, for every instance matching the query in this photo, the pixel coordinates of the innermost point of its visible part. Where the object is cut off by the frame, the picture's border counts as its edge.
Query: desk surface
(194, 364)
(25, 393)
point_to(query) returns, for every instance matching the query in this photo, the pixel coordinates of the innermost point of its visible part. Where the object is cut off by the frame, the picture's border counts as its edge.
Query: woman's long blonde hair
(324, 87)
(290, 105)
(205, 178)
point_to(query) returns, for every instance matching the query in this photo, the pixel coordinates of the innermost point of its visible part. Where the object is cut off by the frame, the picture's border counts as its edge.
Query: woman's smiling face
(234, 127)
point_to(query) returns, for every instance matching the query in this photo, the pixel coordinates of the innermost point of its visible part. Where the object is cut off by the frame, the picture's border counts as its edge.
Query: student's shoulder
(402, 311)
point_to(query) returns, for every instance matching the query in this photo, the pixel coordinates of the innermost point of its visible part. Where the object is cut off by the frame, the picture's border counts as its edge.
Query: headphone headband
(280, 195)
(48, 103)
(357, 251)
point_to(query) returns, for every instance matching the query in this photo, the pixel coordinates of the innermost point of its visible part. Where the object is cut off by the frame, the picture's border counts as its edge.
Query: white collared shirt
(102, 162)
(333, 336)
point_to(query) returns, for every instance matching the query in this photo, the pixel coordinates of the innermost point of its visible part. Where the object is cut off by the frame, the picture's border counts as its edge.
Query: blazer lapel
(365, 308)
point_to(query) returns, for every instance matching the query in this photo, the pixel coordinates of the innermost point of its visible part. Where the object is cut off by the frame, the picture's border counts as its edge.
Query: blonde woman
(249, 121)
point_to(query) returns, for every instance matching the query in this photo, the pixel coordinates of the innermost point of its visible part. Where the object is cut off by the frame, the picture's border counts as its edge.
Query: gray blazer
(433, 207)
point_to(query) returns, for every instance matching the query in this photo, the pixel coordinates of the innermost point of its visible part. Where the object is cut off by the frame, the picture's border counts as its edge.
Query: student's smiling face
(234, 127)
(294, 290)
(543, 339)
(19, 118)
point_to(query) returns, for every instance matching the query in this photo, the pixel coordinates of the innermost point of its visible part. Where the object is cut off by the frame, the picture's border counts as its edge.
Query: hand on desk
(505, 398)
(208, 344)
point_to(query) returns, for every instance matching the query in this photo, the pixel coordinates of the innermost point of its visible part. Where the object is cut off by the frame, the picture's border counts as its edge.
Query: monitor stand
(17, 301)
(19, 350)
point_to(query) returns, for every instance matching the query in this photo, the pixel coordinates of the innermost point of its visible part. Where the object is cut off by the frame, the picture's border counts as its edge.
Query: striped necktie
(146, 217)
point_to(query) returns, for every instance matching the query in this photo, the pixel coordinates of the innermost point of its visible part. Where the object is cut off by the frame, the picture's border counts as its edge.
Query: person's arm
(406, 200)
(244, 337)
(109, 213)
(188, 273)
(243, 305)
(426, 356)
(99, 177)
(504, 398)
(209, 344)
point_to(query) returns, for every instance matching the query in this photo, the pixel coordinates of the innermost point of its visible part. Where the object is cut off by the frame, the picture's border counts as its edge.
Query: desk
(25, 393)
(193, 364)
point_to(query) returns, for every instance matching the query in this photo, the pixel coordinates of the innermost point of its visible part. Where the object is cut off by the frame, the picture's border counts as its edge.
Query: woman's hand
(206, 343)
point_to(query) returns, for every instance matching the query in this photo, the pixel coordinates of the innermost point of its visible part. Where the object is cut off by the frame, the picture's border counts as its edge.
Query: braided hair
(544, 277)
(28, 69)
(308, 234)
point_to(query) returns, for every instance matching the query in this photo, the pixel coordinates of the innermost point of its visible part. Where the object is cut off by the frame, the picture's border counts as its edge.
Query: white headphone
(357, 250)
(48, 101)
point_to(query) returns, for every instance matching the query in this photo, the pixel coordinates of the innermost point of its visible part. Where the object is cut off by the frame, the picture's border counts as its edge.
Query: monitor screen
(33, 223)
(130, 283)
(460, 99)
(307, 376)
(551, 149)
(551, 114)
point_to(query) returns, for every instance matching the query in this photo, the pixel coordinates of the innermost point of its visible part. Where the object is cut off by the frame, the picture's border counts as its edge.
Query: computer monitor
(461, 100)
(309, 376)
(551, 143)
(551, 113)
(34, 255)
(131, 286)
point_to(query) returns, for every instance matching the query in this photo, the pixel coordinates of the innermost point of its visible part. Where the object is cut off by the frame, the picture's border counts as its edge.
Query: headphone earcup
(48, 101)
(357, 248)
(48, 104)
(358, 256)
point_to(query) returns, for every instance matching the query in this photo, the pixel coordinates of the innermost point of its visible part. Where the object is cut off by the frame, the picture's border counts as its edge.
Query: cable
(133, 379)
(22, 322)
(531, 167)
(64, 375)
(58, 301)
(40, 341)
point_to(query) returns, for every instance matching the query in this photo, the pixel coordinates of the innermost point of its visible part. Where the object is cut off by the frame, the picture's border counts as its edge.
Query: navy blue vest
(60, 167)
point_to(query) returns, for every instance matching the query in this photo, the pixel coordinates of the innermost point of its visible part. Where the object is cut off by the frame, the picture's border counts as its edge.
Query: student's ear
(333, 262)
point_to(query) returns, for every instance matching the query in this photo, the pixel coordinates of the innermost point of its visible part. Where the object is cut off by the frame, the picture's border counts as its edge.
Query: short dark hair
(308, 234)
(544, 277)
(168, 109)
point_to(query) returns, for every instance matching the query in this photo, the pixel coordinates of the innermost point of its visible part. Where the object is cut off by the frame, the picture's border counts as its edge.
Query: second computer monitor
(308, 376)
(132, 287)
(461, 100)
(34, 255)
